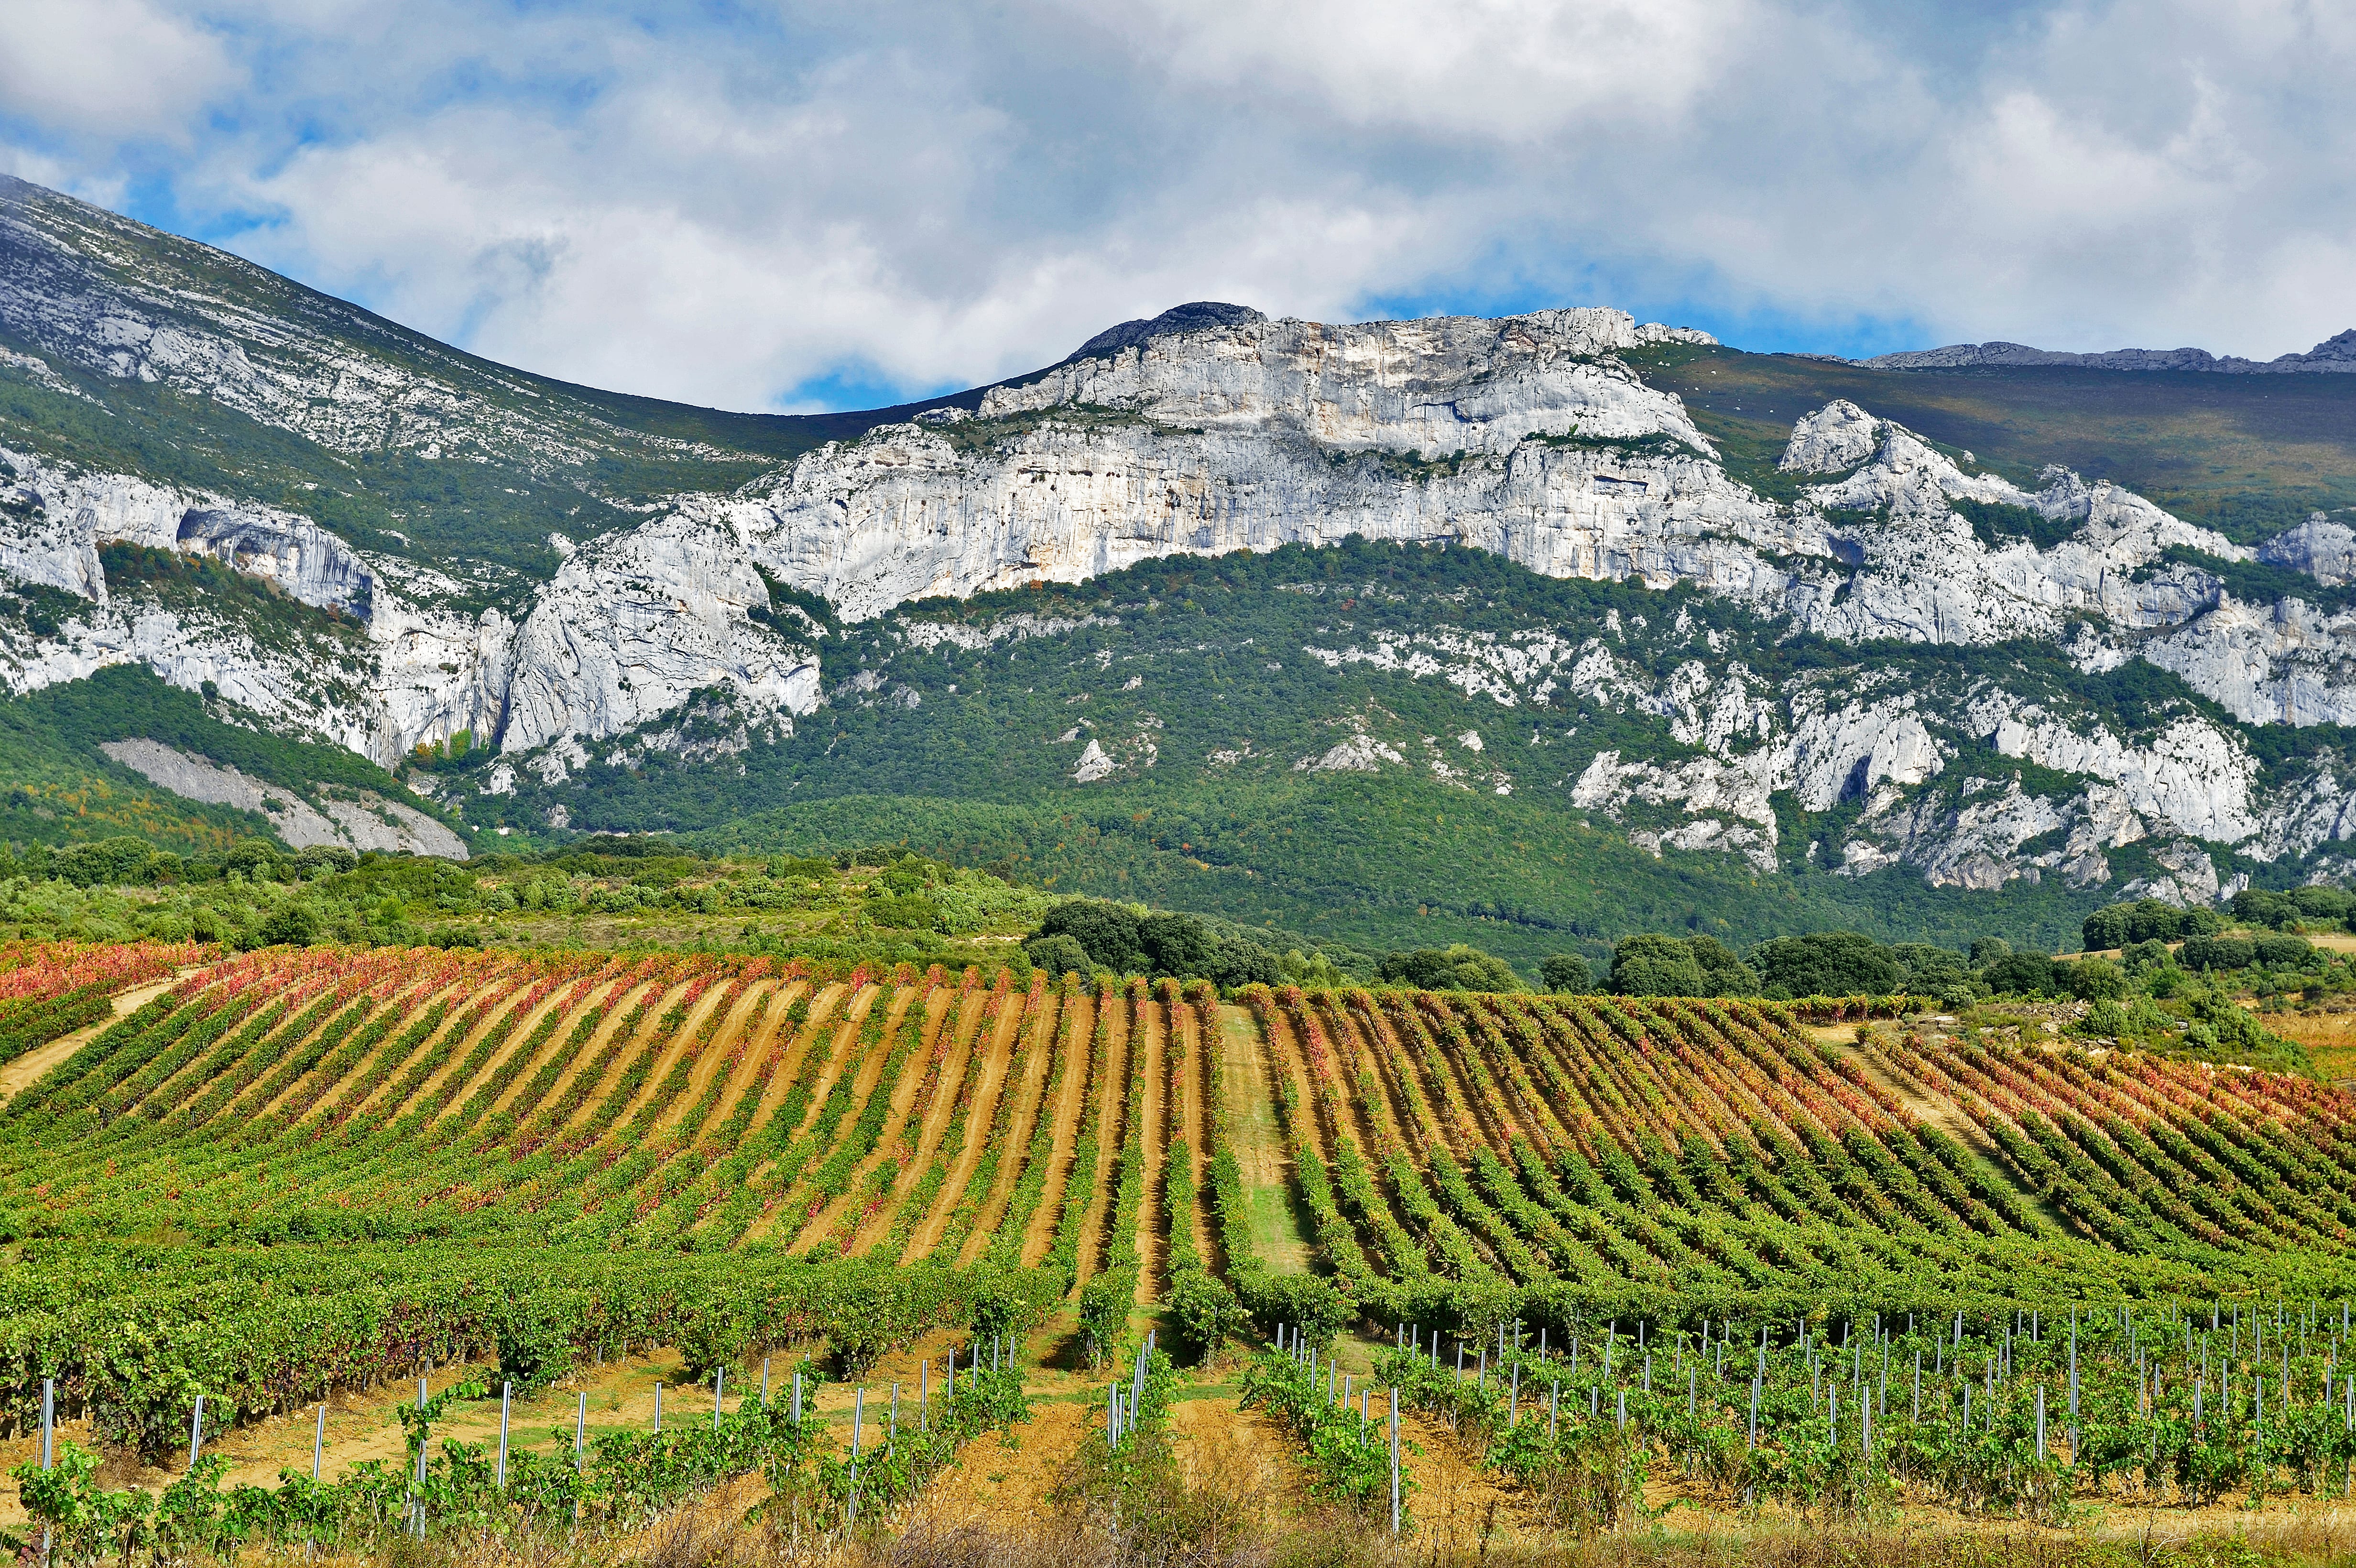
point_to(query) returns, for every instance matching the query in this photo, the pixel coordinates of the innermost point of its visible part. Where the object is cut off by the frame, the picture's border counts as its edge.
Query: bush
(2025, 975)
(2284, 951)
(1107, 933)
(1057, 954)
(533, 1347)
(905, 911)
(1826, 964)
(1234, 965)
(2217, 953)
(1568, 973)
(1657, 965)
(2106, 929)
(2146, 955)
(2094, 979)
(109, 862)
(291, 925)
(2262, 906)
(2323, 903)
(1461, 967)
(1176, 944)
(715, 1337)
(1928, 971)
(2147, 919)
(1104, 1315)
(1208, 1313)
(1654, 966)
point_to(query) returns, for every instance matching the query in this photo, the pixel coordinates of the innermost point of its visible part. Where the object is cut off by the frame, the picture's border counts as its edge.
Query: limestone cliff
(1211, 430)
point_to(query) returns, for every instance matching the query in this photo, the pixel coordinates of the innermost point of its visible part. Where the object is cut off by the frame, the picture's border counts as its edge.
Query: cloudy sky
(788, 205)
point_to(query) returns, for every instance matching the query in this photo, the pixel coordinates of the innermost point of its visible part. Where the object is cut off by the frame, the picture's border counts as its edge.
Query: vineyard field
(281, 1175)
(1405, 1145)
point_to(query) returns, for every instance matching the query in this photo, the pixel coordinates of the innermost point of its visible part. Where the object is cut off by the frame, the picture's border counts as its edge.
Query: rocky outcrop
(634, 625)
(2287, 663)
(2319, 546)
(350, 819)
(1833, 440)
(2335, 353)
(1208, 429)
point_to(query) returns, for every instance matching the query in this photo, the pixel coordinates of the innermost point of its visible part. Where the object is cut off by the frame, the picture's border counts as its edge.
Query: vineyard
(270, 1176)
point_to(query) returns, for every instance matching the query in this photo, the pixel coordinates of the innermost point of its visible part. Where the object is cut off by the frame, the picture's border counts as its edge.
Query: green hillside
(2248, 456)
(969, 755)
(61, 789)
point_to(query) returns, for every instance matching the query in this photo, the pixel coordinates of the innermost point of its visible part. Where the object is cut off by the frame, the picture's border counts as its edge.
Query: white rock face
(355, 819)
(1833, 440)
(2193, 777)
(2320, 548)
(634, 623)
(1525, 436)
(1438, 386)
(1358, 755)
(2288, 663)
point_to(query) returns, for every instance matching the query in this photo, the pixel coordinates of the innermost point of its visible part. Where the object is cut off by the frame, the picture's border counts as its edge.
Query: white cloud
(911, 194)
(107, 67)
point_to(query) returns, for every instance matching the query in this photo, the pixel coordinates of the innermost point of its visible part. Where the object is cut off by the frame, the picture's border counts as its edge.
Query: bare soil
(1039, 1232)
(1032, 1086)
(988, 1085)
(28, 1067)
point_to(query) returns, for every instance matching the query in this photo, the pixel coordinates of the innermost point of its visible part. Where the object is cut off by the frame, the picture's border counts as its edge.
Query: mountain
(2333, 354)
(1533, 630)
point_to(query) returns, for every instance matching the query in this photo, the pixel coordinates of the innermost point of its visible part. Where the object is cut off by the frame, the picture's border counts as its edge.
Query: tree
(1234, 964)
(1721, 971)
(1568, 973)
(1176, 944)
(2323, 903)
(1459, 968)
(2094, 979)
(291, 925)
(1655, 966)
(1826, 964)
(2107, 928)
(2217, 953)
(2262, 906)
(1106, 932)
(2024, 974)
(2284, 951)
(1057, 954)
(1929, 971)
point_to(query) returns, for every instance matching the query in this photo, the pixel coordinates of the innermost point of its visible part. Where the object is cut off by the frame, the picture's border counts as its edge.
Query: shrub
(291, 925)
(1107, 933)
(1461, 967)
(714, 1337)
(2284, 951)
(2025, 975)
(1208, 1313)
(1826, 964)
(2094, 979)
(1568, 972)
(2217, 953)
(1104, 1315)
(1652, 965)
(2323, 903)
(1058, 955)
(535, 1349)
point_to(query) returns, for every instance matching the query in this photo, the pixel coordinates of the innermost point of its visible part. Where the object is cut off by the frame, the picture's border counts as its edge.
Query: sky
(794, 206)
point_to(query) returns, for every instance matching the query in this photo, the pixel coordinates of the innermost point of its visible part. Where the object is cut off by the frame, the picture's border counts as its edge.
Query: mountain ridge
(551, 615)
(2334, 355)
